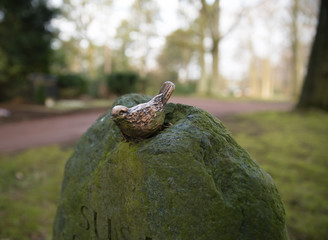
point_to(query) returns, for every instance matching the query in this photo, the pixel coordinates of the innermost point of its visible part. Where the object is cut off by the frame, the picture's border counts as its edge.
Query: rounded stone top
(189, 181)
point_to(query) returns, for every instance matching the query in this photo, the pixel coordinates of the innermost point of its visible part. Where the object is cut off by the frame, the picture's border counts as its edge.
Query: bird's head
(119, 112)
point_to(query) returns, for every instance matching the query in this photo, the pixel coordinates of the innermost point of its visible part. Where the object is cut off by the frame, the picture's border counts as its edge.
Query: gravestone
(190, 181)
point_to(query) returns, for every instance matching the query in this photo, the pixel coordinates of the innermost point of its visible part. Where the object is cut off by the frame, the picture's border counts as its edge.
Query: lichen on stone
(190, 181)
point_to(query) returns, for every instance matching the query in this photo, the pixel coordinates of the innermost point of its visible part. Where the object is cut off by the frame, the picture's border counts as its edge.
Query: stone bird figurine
(145, 119)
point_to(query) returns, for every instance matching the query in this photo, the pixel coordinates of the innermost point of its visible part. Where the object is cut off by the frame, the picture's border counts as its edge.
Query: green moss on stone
(190, 181)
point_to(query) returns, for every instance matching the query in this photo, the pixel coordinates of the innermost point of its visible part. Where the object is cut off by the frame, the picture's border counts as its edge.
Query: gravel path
(68, 128)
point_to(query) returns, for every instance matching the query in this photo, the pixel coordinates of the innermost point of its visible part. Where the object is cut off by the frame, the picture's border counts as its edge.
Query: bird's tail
(166, 90)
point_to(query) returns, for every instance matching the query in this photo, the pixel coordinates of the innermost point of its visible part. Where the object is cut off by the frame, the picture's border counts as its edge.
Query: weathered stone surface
(190, 181)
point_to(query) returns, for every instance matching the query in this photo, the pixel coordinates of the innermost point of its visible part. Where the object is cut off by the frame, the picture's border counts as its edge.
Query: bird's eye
(121, 112)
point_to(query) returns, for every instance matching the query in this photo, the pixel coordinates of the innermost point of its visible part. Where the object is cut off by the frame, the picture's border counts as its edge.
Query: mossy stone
(190, 181)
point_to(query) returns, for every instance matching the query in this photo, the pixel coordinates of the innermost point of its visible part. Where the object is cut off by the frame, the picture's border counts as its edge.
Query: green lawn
(292, 147)
(29, 185)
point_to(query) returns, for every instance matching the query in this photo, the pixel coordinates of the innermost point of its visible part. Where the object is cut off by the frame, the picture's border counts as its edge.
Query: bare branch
(244, 12)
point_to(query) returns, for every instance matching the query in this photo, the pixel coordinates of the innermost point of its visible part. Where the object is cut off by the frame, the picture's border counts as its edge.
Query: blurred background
(64, 62)
(64, 49)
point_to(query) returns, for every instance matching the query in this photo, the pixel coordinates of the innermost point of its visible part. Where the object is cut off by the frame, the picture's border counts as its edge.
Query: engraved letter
(83, 210)
(95, 224)
(109, 224)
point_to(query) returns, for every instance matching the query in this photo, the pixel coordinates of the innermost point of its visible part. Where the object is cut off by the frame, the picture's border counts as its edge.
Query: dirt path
(220, 108)
(68, 128)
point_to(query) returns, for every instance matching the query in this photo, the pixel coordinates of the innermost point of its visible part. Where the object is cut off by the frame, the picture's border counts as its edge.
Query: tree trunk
(215, 84)
(315, 88)
(90, 60)
(296, 65)
(108, 61)
(266, 90)
(253, 78)
(203, 85)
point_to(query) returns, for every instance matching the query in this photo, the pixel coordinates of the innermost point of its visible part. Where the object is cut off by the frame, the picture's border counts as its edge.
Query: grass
(69, 105)
(29, 185)
(292, 147)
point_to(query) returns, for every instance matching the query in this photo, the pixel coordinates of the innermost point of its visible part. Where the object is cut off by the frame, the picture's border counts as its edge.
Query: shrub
(40, 95)
(122, 82)
(185, 89)
(72, 85)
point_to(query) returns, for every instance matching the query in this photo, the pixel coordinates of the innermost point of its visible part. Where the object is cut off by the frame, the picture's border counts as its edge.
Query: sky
(267, 36)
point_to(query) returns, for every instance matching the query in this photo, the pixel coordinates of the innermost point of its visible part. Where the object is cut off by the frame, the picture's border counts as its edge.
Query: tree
(144, 14)
(295, 50)
(180, 51)
(203, 85)
(210, 21)
(302, 16)
(84, 16)
(121, 62)
(214, 11)
(25, 43)
(315, 88)
(65, 57)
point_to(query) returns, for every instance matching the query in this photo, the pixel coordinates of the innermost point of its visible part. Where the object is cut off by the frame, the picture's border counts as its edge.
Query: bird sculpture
(143, 120)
